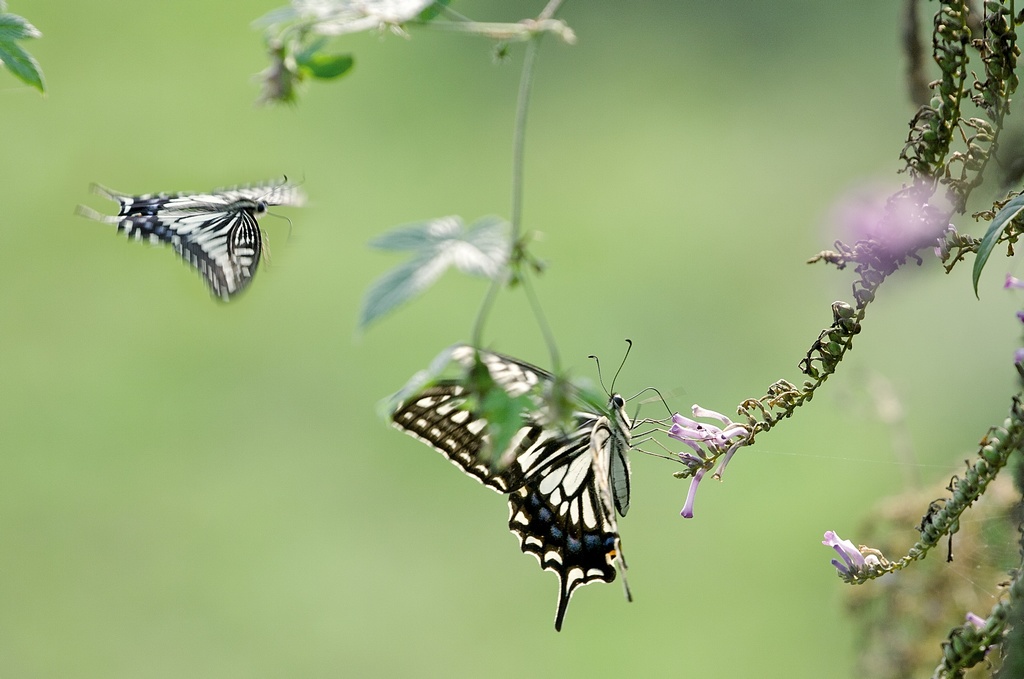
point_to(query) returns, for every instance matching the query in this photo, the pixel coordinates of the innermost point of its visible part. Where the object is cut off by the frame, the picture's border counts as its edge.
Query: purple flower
(1018, 356)
(716, 440)
(897, 220)
(687, 512)
(976, 620)
(942, 249)
(853, 559)
(1012, 282)
(708, 442)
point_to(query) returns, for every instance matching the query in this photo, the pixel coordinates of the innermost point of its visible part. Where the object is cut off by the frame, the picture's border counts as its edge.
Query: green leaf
(13, 56)
(485, 398)
(503, 412)
(433, 10)
(327, 66)
(995, 229)
(14, 27)
(504, 415)
(480, 250)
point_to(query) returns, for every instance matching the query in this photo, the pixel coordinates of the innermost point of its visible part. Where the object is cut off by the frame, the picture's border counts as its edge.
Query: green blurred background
(193, 489)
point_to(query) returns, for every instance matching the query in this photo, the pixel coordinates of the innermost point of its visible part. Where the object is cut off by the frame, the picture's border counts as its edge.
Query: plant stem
(518, 170)
(507, 32)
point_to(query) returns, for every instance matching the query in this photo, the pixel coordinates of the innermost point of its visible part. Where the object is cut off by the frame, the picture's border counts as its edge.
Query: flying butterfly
(216, 232)
(564, 484)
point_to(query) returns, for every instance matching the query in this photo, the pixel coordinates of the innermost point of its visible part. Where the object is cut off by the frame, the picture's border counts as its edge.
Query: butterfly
(564, 485)
(216, 232)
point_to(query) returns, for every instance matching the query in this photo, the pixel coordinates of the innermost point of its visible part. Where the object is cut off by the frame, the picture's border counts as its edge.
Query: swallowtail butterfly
(217, 232)
(563, 487)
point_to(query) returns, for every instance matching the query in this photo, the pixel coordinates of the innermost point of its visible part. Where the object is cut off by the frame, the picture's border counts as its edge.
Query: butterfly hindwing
(217, 233)
(564, 486)
(225, 248)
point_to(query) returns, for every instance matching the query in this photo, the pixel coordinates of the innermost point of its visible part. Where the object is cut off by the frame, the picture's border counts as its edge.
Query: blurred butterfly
(216, 233)
(564, 484)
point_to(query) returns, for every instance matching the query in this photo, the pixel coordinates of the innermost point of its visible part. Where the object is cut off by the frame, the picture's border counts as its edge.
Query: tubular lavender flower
(852, 557)
(708, 442)
(687, 511)
(976, 620)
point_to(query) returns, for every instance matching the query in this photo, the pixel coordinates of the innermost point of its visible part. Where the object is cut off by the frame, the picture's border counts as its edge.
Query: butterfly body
(564, 484)
(217, 233)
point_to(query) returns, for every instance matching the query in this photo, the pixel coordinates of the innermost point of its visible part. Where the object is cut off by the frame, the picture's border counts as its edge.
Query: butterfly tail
(89, 213)
(564, 594)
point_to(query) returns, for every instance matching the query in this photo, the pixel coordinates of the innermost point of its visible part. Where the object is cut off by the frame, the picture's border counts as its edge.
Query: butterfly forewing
(435, 416)
(564, 485)
(217, 233)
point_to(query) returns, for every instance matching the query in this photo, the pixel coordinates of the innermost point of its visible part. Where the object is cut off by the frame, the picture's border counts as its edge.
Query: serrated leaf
(397, 287)
(480, 250)
(988, 243)
(14, 27)
(19, 62)
(327, 66)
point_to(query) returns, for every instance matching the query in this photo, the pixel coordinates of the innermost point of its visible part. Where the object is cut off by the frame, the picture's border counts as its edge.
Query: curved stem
(518, 149)
(485, 309)
(519, 136)
(545, 329)
(518, 154)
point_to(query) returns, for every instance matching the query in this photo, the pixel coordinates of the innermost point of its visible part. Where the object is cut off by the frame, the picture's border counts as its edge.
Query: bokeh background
(205, 490)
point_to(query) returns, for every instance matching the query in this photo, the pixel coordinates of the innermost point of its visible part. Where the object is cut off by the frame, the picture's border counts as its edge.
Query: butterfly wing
(216, 233)
(560, 484)
(279, 193)
(563, 514)
(435, 416)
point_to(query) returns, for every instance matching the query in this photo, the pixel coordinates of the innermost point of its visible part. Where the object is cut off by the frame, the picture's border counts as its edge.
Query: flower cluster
(898, 221)
(709, 442)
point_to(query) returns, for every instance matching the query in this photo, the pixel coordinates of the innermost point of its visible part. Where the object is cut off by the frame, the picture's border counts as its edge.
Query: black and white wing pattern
(217, 232)
(564, 487)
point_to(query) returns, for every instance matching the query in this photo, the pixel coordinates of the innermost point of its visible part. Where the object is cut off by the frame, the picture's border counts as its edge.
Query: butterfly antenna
(599, 376)
(629, 346)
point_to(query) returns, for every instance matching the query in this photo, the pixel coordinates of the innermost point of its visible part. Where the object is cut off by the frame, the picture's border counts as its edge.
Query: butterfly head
(617, 408)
